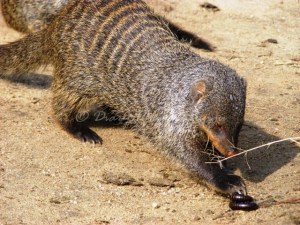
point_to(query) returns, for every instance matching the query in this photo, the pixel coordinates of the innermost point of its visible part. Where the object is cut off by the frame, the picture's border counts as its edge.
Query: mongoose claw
(232, 184)
(87, 135)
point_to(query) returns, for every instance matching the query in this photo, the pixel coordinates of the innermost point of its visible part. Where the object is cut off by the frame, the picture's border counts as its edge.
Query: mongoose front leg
(230, 183)
(222, 179)
(67, 105)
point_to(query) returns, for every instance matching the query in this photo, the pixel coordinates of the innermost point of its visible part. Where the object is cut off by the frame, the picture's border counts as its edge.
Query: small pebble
(120, 179)
(210, 7)
(60, 200)
(155, 205)
(160, 182)
(209, 212)
(272, 40)
(219, 216)
(197, 218)
(35, 100)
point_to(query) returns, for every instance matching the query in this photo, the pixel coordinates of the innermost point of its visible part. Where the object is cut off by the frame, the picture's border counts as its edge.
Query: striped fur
(119, 54)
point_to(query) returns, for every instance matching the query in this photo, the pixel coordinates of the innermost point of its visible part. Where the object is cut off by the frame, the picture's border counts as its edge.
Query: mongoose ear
(198, 91)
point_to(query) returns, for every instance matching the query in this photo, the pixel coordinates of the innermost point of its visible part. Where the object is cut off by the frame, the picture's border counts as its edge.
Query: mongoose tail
(24, 55)
(187, 36)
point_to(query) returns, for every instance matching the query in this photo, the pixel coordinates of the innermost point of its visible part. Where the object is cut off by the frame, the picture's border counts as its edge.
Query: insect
(242, 202)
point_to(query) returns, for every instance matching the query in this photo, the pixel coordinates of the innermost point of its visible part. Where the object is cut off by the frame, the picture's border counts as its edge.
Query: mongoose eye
(218, 126)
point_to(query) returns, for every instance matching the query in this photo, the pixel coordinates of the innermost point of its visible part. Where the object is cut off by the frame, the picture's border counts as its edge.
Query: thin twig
(287, 201)
(246, 154)
(292, 139)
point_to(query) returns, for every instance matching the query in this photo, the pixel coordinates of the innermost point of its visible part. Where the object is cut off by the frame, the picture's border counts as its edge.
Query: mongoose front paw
(230, 184)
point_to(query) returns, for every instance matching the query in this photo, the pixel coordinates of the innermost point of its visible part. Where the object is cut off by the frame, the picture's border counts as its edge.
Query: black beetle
(246, 206)
(242, 202)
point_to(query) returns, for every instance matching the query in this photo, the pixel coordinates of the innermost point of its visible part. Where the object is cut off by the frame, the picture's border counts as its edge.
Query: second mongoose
(119, 54)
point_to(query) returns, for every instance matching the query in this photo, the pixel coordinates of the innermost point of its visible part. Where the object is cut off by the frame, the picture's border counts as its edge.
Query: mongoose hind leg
(68, 107)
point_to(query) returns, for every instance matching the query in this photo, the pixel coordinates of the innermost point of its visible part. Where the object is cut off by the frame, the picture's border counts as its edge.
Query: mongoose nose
(231, 151)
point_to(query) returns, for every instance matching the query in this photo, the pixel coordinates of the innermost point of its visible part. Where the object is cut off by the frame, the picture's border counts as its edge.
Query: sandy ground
(47, 177)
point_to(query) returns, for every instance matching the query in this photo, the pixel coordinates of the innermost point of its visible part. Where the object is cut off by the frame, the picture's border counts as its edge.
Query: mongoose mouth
(230, 153)
(225, 149)
(220, 141)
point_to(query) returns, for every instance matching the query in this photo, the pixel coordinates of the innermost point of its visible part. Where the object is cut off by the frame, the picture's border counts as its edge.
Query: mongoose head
(219, 107)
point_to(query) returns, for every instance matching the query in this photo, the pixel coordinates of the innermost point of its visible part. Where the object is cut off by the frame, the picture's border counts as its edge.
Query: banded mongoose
(119, 54)
(33, 15)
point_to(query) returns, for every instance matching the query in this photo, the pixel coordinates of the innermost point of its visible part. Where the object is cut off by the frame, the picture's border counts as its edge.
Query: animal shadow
(34, 80)
(263, 161)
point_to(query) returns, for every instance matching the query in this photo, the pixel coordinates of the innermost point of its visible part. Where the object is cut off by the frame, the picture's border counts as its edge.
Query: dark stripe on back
(125, 21)
(93, 14)
(96, 28)
(139, 46)
(134, 39)
(109, 26)
(70, 11)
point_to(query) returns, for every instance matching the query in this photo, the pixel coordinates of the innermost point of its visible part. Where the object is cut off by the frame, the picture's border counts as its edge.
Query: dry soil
(47, 177)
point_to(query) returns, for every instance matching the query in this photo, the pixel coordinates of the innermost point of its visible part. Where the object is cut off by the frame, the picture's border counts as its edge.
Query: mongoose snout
(220, 140)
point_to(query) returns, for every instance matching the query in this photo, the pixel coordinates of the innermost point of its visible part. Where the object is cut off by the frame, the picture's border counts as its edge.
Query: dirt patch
(47, 177)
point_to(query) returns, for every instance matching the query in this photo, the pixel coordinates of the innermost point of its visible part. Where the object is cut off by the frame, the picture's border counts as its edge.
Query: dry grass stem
(292, 139)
